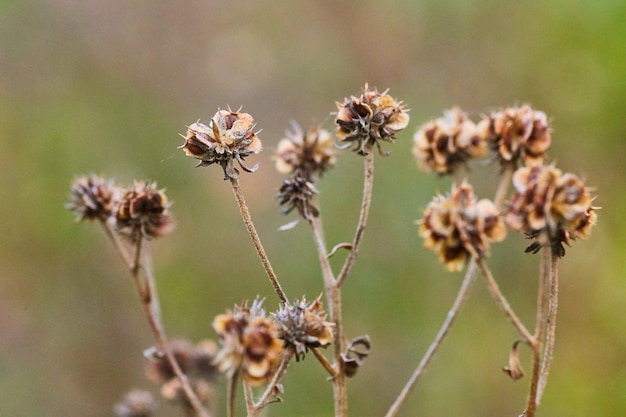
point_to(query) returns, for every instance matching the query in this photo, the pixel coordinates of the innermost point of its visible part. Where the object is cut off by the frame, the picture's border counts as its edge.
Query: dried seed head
(143, 212)
(370, 118)
(93, 198)
(229, 136)
(196, 362)
(444, 144)
(136, 403)
(306, 154)
(297, 193)
(250, 343)
(458, 226)
(517, 134)
(303, 326)
(550, 206)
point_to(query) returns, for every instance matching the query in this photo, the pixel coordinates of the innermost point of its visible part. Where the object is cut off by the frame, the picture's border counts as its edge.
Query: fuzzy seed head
(305, 154)
(93, 198)
(458, 226)
(143, 212)
(445, 144)
(368, 119)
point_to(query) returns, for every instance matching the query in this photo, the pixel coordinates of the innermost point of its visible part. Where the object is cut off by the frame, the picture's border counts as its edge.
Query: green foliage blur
(106, 87)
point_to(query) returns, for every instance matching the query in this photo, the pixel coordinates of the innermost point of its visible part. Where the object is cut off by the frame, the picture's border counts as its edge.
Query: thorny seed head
(368, 119)
(303, 326)
(446, 143)
(517, 134)
(136, 403)
(297, 193)
(305, 154)
(250, 343)
(229, 136)
(93, 198)
(550, 206)
(143, 212)
(196, 362)
(457, 226)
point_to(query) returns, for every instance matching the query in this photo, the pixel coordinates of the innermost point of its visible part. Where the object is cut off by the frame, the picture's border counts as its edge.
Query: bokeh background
(106, 87)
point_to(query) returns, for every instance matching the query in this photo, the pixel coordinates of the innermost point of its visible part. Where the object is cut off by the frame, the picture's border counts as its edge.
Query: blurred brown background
(105, 87)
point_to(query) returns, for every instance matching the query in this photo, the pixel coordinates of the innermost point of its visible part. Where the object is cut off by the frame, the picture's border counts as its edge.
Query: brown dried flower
(297, 193)
(229, 136)
(517, 134)
(457, 226)
(136, 403)
(303, 326)
(93, 198)
(370, 118)
(196, 362)
(250, 343)
(305, 154)
(550, 206)
(444, 144)
(143, 212)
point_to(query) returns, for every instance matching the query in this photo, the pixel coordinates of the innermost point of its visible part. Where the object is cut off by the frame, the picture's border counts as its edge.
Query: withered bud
(368, 119)
(229, 136)
(445, 144)
(551, 207)
(355, 354)
(303, 326)
(136, 403)
(457, 226)
(517, 135)
(250, 343)
(305, 154)
(143, 211)
(297, 193)
(93, 198)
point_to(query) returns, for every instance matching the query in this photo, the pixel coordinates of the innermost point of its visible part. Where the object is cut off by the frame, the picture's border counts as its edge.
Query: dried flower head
(250, 343)
(305, 154)
(458, 226)
(136, 403)
(444, 144)
(143, 212)
(303, 326)
(93, 198)
(550, 206)
(297, 193)
(370, 118)
(229, 136)
(517, 134)
(196, 362)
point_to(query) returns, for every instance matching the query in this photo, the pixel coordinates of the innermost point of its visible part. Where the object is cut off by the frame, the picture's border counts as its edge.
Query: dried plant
(255, 348)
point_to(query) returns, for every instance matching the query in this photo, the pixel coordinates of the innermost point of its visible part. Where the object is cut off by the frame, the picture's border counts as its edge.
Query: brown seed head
(229, 136)
(143, 212)
(303, 326)
(297, 193)
(517, 134)
(93, 198)
(250, 343)
(305, 154)
(370, 118)
(550, 206)
(444, 144)
(136, 403)
(458, 226)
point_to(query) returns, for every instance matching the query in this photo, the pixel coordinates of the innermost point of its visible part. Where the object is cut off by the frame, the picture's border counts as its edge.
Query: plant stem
(503, 187)
(251, 410)
(551, 326)
(232, 391)
(278, 376)
(459, 301)
(368, 183)
(245, 214)
(322, 359)
(493, 288)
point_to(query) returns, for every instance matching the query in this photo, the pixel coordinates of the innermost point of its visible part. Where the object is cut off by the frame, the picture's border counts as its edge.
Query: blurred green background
(106, 87)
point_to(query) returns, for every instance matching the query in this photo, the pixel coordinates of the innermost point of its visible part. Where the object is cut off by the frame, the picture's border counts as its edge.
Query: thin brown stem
(494, 289)
(251, 410)
(322, 359)
(232, 393)
(368, 183)
(459, 301)
(245, 214)
(270, 391)
(503, 187)
(551, 327)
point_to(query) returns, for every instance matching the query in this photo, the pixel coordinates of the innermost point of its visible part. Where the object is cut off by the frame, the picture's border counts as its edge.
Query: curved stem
(494, 289)
(368, 182)
(503, 187)
(245, 214)
(459, 301)
(278, 376)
